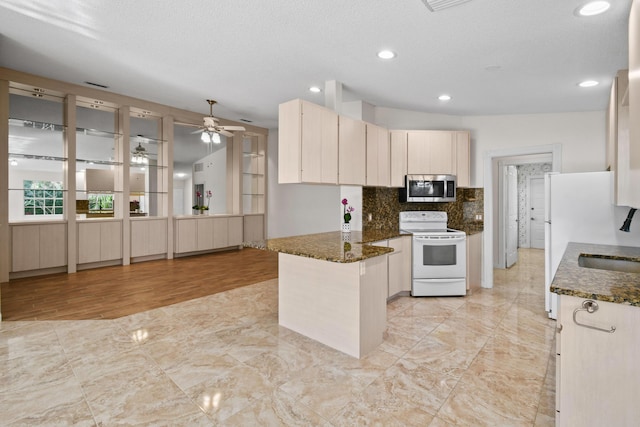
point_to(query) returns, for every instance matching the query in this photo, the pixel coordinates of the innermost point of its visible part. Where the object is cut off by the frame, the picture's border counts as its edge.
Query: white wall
(298, 208)
(582, 136)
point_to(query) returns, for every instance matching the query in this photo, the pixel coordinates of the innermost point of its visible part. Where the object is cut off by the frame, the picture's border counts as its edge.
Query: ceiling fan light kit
(139, 156)
(211, 130)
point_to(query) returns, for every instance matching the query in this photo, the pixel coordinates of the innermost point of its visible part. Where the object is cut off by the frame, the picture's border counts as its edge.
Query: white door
(511, 250)
(536, 219)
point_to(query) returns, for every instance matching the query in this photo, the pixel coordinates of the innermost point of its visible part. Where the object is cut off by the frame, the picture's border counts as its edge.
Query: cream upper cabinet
(398, 139)
(598, 375)
(617, 135)
(378, 156)
(634, 104)
(308, 143)
(431, 152)
(351, 151)
(463, 159)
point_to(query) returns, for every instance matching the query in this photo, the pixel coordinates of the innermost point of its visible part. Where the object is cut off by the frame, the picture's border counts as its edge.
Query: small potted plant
(346, 227)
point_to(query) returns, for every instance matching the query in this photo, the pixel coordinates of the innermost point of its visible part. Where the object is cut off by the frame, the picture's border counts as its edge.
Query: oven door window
(439, 255)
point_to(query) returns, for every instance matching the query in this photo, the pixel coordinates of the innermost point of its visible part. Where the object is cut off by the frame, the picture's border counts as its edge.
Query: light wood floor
(112, 292)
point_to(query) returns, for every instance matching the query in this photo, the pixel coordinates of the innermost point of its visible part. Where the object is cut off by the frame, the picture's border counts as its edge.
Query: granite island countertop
(601, 285)
(333, 246)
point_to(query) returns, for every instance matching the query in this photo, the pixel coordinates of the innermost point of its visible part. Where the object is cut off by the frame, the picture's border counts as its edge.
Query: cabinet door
(220, 232)
(600, 374)
(235, 234)
(289, 142)
(139, 237)
(186, 235)
(398, 141)
(110, 240)
(157, 237)
(378, 156)
(319, 144)
(25, 247)
(441, 146)
(352, 151)
(462, 159)
(634, 105)
(206, 232)
(88, 242)
(417, 153)
(474, 261)
(253, 228)
(53, 245)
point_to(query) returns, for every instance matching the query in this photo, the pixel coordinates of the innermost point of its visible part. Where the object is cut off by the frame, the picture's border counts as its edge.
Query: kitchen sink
(611, 264)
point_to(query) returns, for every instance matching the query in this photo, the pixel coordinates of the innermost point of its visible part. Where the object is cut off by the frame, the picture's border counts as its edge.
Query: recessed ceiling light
(13, 162)
(315, 89)
(386, 54)
(588, 83)
(444, 97)
(594, 8)
(181, 175)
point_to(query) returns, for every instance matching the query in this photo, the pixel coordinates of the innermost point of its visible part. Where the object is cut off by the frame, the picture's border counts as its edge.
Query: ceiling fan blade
(232, 128)
(197, 131)
(224, 132)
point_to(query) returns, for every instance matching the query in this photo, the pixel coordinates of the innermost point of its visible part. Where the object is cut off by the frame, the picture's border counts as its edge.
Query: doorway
(494, 245)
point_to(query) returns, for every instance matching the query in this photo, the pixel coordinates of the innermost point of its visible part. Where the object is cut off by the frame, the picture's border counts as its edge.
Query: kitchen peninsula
(333, 287)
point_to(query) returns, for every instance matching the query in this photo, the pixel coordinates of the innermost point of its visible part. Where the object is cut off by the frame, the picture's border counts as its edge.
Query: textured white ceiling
(251, 55)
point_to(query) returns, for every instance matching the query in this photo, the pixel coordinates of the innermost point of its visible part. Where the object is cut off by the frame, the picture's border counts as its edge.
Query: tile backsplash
(384, 206)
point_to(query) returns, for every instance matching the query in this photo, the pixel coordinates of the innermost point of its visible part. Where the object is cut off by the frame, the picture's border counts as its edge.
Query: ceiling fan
(211, 130)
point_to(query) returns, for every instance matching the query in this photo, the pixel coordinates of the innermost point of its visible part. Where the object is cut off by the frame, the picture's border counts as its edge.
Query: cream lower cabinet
(99, 241)
(253, 229)
(38, 246)
(474, 261)
(148, 237)
(307, 143)
(195, 234)
(399, 265)
(598, 372)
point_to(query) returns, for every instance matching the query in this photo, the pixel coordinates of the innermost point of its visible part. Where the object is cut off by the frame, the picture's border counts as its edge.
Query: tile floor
(484, 359)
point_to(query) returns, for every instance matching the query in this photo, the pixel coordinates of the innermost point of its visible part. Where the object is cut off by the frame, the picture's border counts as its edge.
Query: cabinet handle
(590, 306)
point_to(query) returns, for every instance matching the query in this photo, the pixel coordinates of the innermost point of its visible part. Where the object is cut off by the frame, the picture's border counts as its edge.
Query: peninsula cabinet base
(342, 305)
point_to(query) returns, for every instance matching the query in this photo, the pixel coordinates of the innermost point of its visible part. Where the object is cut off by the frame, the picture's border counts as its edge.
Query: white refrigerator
(579, 208)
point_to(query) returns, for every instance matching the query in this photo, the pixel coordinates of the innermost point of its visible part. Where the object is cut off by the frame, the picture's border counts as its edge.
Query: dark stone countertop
(333, 246)
(602, 285)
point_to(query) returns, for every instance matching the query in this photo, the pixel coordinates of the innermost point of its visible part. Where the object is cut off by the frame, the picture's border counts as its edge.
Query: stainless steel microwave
(429, 189)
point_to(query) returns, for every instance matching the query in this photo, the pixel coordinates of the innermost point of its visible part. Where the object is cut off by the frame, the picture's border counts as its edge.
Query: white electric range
(439, 266)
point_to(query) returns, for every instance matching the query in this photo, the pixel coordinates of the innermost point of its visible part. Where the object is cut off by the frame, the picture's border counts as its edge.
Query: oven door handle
(451, 239)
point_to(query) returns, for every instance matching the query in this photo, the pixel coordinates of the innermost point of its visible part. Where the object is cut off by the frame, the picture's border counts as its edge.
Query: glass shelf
(37, 157)
(33, 124)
